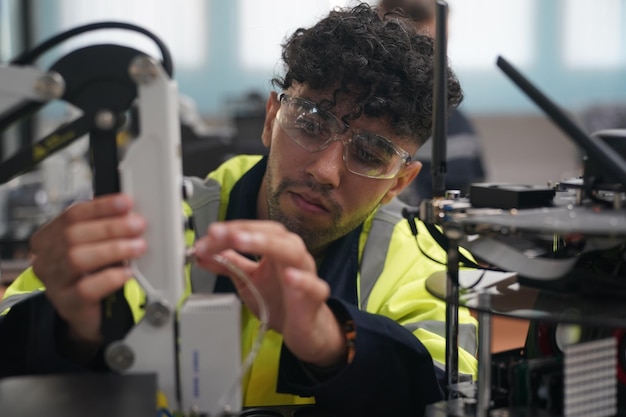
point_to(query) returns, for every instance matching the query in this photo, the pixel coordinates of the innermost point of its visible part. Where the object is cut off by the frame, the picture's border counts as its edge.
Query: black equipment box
(510, 196)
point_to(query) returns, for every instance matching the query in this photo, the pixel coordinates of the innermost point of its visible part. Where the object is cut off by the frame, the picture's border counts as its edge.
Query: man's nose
(327, 166)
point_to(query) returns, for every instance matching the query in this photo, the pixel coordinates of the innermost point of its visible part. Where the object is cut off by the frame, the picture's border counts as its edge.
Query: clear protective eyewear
(364, 153)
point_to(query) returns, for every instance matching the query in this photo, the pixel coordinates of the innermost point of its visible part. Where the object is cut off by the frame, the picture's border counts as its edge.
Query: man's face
(313, 193)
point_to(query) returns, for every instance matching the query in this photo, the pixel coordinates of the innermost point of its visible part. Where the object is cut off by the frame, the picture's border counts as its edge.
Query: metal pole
(452, 319)
(484, 355)
(440, 101)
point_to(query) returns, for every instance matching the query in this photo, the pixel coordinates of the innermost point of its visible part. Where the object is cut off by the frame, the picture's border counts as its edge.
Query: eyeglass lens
(365, 153)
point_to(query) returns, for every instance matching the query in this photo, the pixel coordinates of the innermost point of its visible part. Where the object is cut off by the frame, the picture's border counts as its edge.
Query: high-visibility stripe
(10, 301)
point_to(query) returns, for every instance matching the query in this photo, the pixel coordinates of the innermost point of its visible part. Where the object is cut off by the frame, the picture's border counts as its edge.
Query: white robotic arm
(191, 344)
(26, 83)
(151, 172)
(195, 351)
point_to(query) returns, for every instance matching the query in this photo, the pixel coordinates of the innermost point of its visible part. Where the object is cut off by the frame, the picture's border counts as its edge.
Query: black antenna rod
(594, 147)
(439, 168)
(440, 101)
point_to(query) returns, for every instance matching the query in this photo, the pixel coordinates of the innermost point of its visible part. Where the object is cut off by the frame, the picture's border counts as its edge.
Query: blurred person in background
(464, 156)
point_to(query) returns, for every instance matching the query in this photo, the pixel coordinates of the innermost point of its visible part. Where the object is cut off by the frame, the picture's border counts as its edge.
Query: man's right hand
(81, 255)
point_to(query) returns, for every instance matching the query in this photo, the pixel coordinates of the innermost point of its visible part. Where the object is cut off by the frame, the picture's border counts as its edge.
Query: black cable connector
(410, 215)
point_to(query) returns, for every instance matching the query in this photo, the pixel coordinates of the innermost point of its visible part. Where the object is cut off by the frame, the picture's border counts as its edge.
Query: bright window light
(180, 24)
(480, 30)
(265, 24)
(592, 35)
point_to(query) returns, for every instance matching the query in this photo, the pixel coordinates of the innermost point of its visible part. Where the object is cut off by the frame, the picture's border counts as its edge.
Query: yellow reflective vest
(391, 281)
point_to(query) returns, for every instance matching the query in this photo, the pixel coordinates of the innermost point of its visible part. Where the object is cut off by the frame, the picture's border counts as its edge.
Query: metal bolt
(194, 411)
(105, 119)
(190, 255)
(157, 313)
(617, 200)
(50, 86)
(453, 194)
(501, 412)
(119, 356)
(188, 189)
(143, 69)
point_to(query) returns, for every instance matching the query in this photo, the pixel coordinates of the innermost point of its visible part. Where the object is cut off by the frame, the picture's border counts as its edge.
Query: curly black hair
(377, 59)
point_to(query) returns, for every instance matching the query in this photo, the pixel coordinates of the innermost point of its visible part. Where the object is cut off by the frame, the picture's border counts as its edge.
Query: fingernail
(250, 241)
(217, 230)
(120, 203)
(201, 246)
(244, 238)
(135, 223)
(294, 275)
(137, 245)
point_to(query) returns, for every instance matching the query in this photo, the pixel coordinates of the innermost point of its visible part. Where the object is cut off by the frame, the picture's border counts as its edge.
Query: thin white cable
(224, 406)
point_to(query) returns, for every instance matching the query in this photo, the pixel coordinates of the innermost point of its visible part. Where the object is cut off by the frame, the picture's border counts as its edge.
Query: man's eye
(370, 156)
(309, 126)
(372, 152)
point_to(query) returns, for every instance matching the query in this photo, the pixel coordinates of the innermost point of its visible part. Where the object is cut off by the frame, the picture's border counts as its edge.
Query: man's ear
(406, 176)
(271, 108)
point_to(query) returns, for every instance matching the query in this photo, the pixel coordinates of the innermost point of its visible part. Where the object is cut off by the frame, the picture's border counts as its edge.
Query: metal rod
(484, 355)
(452, 319)
(440, 101)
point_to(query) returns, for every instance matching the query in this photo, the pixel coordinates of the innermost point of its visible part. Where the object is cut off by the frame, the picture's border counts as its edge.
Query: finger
(224, 262)
(61, 270)
(223, 234)
(127, 226)
(305, 287)
(80, 304)
(92, 257)
(93, 288)
(102, 207)
(309, 328)
(288, 248)
(233, 265)
(258, 238)
(251, 226)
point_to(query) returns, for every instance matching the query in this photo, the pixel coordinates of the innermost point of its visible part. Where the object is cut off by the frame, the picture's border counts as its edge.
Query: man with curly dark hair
(315, 225)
